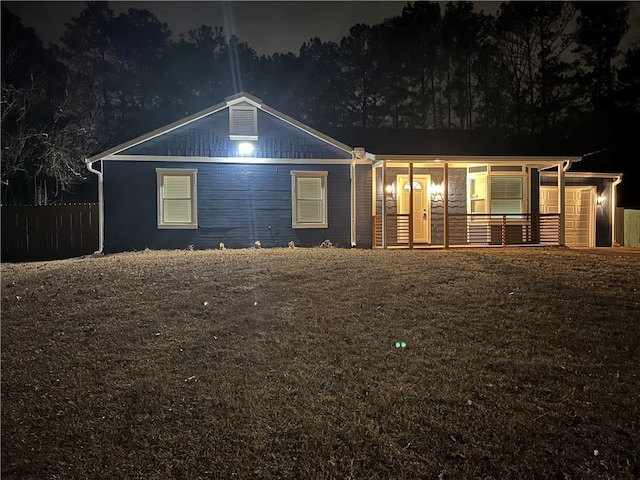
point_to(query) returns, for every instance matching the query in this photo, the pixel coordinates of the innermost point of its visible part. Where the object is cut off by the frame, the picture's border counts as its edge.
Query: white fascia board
(528, 160)
(583, 175)
(157, 132)
(243, 97)
(239, 160)
(305, 128)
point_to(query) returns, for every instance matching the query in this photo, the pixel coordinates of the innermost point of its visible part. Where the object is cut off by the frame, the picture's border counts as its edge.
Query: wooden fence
(49, 232)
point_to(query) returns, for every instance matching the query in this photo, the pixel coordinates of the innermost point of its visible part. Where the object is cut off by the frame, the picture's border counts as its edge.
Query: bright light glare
(245, 148)
(437, 188)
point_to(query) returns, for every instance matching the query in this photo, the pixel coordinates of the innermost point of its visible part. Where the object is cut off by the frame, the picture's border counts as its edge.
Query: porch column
(410, 205)
(445, 195)
(384, 204)
(561, 202)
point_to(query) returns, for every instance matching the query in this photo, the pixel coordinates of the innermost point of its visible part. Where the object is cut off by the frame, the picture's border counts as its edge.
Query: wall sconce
(437, 189)
(389, 189)
(600, 199)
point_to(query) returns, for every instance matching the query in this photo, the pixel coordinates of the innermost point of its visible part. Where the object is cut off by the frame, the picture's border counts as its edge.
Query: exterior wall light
(437, 189)
(246, 148)
(389, 190)
(600, 200)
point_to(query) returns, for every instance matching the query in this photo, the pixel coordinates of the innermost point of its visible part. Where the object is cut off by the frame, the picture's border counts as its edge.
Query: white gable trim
(243, 98)
(239, 98)
(157, 132)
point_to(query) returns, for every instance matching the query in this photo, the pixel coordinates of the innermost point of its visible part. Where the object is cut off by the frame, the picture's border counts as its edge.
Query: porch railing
(396, 228)
(478, 229)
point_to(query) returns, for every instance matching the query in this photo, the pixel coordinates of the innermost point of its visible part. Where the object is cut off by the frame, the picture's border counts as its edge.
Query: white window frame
(522, 178)
(477, 177)
(177, 172)
(486, 177)
(295, 174)
(234, 135)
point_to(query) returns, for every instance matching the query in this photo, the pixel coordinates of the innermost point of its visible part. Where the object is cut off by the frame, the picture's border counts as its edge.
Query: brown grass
(520, 363)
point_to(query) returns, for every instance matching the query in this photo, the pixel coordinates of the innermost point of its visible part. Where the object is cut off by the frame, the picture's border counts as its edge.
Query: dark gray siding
(603, 216)
(457, 187)
(363, 206)
(237, 205)
(209, 137)
(534, 204)
(535, 192)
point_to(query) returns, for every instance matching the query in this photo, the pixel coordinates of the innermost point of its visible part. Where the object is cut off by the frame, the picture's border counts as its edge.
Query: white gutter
(100, 204)
(352, 174)
(356, 154)
(614, 195)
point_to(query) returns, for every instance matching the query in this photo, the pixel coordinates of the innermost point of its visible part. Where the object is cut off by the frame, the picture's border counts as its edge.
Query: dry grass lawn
(278, 363)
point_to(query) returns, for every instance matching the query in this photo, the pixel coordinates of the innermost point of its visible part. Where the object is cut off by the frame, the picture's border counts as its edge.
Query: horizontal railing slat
(479, 229)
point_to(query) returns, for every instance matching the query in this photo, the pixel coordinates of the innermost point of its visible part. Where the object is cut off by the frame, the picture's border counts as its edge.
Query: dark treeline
(535, 68)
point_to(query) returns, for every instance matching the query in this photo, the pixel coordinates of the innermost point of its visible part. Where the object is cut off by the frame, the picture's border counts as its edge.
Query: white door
(579, 213)
(421, 204)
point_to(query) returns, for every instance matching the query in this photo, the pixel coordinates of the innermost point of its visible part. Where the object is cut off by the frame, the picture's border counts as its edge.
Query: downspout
(100, 204)
(352, 174)
(614, 195)
(568, 165)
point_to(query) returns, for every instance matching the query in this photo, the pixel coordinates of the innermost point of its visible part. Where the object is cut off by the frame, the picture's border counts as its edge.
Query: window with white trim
(243, 122)
(497, 193)
(309, 199)
(478, 193)
(177, 206)
(507, 195)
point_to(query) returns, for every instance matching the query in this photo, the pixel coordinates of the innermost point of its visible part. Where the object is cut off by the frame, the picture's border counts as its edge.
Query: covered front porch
(426, 202)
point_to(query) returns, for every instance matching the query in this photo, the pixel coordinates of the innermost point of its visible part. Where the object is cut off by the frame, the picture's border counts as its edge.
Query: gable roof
(238, 98)
(478, 143)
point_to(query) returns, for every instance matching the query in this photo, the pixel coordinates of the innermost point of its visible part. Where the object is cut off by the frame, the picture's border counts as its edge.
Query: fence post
(504, 230)
(373, 231)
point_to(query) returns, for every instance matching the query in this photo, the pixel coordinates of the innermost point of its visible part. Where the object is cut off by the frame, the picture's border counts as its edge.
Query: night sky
(268, 27)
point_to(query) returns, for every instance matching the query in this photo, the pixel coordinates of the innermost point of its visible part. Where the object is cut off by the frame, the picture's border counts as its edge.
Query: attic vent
(243, 123)
(481, 169)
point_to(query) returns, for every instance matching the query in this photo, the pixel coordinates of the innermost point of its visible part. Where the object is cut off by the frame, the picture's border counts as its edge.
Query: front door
(421, 204)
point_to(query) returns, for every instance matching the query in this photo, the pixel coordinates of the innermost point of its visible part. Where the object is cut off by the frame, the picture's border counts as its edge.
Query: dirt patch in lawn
(282, 363)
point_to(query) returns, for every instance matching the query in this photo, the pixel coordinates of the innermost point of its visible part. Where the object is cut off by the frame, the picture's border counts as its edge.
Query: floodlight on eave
(157, 132)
